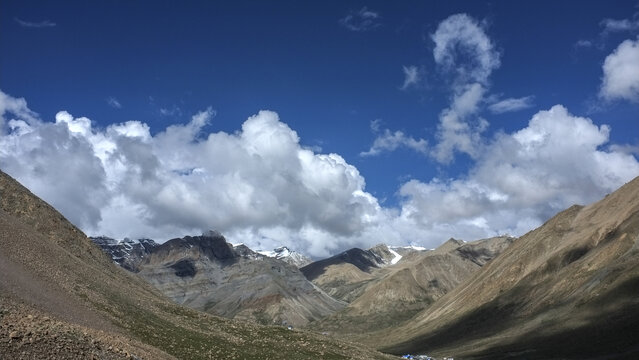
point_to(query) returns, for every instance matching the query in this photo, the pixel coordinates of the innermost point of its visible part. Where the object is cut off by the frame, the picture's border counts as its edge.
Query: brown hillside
(396, 293)
(565, 290)
(61, 297)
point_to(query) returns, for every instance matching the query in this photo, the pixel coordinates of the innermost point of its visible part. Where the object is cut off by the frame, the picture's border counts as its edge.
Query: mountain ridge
(396, 292)
(574, 277)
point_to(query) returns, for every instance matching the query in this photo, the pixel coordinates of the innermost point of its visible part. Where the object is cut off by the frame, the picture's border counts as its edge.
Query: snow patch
(396, 258)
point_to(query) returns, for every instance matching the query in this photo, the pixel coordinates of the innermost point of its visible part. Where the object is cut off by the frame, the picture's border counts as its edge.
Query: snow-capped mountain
(127, 253)
(287, 255)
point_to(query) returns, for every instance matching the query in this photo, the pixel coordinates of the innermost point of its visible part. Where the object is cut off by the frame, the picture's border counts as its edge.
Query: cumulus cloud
(523, 178)
(31, 24)
(511, 104)
(387, 141)
(260, 186)
(17, 107)
(123, 181)
(411, 76)
(621, 73)
(361, 21)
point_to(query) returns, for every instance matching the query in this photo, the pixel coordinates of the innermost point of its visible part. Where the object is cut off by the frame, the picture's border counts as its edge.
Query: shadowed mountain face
(62, 297)
(344, 275)
(207, 273)
(565, 290)
(395, 293)
(364, 260)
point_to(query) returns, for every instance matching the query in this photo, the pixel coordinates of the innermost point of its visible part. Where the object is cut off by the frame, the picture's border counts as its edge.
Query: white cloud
(625, 149)
(455, 131)
(463, 50)
(621, 73)
(511, 104)
(40, 24)
(113, 102)
(389, 141)
(17, 107)
(584, 43)
(462, 47)
(173, 111)
(361, 21)
(612, 25)
(253, 184)
(411, 76)
(521, 179)
(261, 187)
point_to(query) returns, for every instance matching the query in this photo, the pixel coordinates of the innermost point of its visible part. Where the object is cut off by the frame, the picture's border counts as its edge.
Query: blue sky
(343, 76)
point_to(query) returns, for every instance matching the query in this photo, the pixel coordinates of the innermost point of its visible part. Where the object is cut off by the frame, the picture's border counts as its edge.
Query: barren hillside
(567, 289)
(61, 297)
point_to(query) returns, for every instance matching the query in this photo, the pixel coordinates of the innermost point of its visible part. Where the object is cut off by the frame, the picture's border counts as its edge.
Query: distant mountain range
(209, 274)
(566, 290)
(383, 294)
(128, 253)
(62, 297)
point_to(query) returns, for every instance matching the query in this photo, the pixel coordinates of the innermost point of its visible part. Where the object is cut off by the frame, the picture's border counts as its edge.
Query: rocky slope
(62, 297)
(207, 273)
(399, 291)
(565, 290)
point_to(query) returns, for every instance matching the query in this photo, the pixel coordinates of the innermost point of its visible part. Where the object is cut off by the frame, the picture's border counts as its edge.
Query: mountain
(126, 253)
(345, 275)
(62, 297)
(288, 256)
(207, 273)
(399, 291)
(567, 289)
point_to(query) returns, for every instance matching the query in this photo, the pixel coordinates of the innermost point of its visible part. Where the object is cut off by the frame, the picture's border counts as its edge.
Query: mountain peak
(287, 255)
